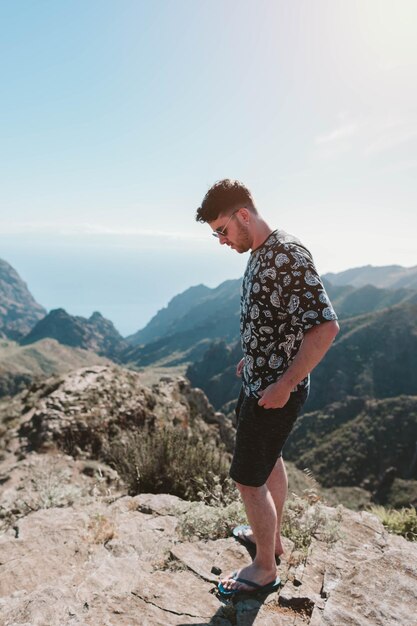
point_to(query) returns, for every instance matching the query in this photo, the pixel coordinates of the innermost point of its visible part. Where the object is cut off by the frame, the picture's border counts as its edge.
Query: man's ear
(245, 214)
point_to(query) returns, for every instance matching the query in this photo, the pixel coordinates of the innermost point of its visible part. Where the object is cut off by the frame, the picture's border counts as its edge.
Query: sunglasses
(222, 232)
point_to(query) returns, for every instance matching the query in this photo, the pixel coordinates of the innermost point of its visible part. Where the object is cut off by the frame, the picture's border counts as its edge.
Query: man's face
(233, 231)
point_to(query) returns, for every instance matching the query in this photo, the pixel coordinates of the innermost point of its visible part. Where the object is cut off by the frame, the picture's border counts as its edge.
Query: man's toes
(226, 581)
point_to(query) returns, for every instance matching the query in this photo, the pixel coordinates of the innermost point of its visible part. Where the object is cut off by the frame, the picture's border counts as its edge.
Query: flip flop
(250, 545)
(268, 588)
(241, 529)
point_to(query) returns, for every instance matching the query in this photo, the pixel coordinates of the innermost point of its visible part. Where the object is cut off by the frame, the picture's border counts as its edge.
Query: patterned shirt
(282, 296)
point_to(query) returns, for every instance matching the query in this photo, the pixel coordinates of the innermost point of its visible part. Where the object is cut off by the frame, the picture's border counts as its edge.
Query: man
(287, 324)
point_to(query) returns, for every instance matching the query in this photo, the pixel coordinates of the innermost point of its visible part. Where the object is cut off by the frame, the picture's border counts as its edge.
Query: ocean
(127, 278)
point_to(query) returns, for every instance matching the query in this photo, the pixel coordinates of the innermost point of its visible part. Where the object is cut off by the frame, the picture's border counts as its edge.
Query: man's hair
(222, 198)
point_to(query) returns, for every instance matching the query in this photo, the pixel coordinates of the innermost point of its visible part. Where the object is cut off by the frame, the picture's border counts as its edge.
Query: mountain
(19, 311)
(20, 366)
(184, 333)
(95, 333)
(181, 332)
(215, 373)
(164, 321)
(351, 301)
(374, 355)
(354, 442)
(390, 276)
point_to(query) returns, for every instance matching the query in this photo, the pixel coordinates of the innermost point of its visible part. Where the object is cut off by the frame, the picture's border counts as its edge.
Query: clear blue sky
(116, 116)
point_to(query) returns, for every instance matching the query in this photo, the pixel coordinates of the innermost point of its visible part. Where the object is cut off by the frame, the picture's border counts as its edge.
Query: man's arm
(314, 346)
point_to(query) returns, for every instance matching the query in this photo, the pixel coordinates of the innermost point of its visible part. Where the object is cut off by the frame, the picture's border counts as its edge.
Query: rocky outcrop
(84, 410)
(76, 550)
(123, 560)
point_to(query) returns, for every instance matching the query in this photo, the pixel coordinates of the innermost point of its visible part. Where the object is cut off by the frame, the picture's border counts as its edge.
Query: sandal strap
(250, 583)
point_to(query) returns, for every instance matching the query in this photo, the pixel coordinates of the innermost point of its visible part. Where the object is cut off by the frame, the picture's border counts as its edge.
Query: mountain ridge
(19, 310)
(95, 333)
(389, 276)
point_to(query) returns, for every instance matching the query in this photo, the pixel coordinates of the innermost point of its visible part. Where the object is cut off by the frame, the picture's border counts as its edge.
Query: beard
(243, 239)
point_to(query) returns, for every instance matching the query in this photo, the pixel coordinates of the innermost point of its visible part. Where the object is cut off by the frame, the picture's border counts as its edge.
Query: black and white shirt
(282, 296)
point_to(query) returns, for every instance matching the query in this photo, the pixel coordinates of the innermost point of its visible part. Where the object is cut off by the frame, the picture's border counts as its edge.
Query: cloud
(402, 166)
(339, 133)
(390, 137)
(60, 228)
(367, 136)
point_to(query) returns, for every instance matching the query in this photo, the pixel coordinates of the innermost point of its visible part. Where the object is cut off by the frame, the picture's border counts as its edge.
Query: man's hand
(316, 342)
(275, 396)
(239, 367)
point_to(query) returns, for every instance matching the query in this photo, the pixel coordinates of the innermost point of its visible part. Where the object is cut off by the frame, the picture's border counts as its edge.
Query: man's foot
(245, 535)
(257, 579)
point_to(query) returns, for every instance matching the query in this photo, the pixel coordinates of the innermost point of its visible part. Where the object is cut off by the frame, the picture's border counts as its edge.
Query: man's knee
(249, 490)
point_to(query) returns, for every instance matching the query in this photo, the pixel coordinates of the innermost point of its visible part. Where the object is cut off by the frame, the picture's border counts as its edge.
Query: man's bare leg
(262, 516)
(277, 484)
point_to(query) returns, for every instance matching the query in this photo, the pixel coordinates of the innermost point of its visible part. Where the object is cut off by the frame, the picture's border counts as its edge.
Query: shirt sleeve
(303, 292)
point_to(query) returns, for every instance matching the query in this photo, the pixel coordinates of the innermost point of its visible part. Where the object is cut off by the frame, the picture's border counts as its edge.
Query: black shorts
(261, 435)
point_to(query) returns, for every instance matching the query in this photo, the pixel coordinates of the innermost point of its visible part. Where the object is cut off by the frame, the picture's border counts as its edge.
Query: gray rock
(76, 550)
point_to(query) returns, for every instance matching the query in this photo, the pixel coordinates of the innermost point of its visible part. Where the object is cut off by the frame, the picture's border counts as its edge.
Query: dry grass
(400, 522)
(169, 460)
(101, 529)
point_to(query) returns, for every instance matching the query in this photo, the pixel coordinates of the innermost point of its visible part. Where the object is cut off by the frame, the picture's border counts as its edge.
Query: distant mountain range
(164, 321)
(174, 337)
(362, 401)
(180, 332)
(373, 356)
(389, 276)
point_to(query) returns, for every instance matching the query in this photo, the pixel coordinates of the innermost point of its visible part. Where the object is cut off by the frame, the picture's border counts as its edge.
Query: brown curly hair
(224, 197)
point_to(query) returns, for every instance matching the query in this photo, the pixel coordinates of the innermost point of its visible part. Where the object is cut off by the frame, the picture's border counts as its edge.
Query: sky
(117, 116)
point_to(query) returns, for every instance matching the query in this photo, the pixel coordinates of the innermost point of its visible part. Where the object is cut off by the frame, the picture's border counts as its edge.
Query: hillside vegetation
(355, 442)
(374, 355)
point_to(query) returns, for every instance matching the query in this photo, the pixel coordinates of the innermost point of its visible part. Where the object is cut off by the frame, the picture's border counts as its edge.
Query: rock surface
(106, 562)
(76, 550)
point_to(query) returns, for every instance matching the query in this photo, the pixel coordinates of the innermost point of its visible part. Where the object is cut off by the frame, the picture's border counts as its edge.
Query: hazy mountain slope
(351, 301)
(215, 316)
(19, 365)
(19, 311)
(95, 333)
(179, 334)
(391, 276)
(166, 318)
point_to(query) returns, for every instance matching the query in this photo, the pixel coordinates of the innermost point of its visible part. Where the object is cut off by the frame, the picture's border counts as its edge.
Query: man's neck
(261, 232)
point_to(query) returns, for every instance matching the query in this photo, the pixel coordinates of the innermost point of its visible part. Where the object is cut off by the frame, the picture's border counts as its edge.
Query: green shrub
(170, 461)
(305, 517)
(400, 522)
(203, 521)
